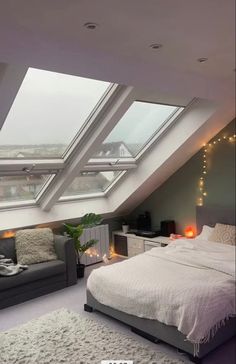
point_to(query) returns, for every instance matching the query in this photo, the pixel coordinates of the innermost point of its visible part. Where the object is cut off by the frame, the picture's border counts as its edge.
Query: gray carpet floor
(74, 298)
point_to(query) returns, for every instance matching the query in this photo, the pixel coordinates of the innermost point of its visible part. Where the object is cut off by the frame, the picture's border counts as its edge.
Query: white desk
(130, 245)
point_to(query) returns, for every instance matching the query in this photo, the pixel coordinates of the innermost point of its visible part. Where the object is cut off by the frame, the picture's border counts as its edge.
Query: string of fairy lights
(205, 162)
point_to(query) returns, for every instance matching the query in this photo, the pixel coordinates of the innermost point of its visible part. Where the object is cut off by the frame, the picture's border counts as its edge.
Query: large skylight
(21, 188)
(134, 130)
(56, 128)
(47, 113)
(91, 182)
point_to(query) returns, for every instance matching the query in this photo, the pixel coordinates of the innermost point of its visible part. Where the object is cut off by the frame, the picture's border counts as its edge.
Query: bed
(145, 319)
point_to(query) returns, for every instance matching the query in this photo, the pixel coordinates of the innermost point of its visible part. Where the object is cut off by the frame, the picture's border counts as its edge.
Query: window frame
(23, 202)
(70, 147)
(93, 194)
(166, 123)
(55, 166)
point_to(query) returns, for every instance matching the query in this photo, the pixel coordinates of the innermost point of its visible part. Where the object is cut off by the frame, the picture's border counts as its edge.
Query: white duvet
(189, 284)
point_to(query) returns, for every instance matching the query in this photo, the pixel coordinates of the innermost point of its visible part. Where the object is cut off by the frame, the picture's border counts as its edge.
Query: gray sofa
(40, 278)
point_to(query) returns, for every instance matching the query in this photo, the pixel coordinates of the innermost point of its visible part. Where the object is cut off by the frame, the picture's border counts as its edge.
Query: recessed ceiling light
(201, 60)
(155, 46)
(90, 26)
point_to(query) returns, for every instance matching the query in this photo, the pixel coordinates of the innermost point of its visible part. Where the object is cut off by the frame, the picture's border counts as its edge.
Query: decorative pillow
(35, 246)
(225, 234)
(206, 232)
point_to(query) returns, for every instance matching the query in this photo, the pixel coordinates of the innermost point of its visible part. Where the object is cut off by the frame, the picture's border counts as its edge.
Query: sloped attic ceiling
(118, 51)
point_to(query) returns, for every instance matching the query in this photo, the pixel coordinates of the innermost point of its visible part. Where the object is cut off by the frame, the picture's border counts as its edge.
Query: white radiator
(96, 253)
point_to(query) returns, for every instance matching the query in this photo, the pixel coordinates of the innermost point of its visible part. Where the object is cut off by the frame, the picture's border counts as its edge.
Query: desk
(129, 245)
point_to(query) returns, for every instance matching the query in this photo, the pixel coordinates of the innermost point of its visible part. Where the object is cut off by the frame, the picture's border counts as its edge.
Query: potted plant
(75, 232)
(125, 227)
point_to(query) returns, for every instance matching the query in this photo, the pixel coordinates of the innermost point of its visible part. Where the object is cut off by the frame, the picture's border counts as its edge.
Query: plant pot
(80, 270)
(125, 228)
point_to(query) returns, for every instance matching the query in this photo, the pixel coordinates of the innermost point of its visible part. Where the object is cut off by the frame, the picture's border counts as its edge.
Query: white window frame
(84, 196)
(30, 202)
(78, 157)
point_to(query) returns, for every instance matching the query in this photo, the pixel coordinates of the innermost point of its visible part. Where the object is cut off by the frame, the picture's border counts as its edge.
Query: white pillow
(206, 233)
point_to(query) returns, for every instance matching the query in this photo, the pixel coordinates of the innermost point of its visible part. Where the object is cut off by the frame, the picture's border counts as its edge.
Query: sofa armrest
(65, 251)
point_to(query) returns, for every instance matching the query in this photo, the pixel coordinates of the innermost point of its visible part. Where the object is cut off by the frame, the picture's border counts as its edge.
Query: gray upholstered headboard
(211, 215)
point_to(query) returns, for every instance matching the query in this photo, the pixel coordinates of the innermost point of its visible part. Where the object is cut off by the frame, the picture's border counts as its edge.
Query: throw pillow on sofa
(35, 246)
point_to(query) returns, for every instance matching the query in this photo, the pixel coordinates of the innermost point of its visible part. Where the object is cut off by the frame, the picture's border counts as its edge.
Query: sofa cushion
(35, 246)
(35, 272)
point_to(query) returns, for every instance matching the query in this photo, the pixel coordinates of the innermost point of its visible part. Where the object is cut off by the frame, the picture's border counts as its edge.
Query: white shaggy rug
(65, 337)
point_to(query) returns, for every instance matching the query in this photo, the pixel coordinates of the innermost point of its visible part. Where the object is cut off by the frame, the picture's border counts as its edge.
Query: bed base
(156, 331)
(153, 339)
(145, 335)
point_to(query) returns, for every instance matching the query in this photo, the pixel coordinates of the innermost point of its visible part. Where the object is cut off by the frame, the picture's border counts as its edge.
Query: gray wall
(176, 198)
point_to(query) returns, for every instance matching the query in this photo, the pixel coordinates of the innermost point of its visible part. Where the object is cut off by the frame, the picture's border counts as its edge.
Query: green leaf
(90, 220)
(86, 246)
(74, 231)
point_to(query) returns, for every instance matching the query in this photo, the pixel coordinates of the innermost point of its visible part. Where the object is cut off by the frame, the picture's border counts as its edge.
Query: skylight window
(21, 188)
(57, 131)
(139, 124)
(48, 111)
(91, 182)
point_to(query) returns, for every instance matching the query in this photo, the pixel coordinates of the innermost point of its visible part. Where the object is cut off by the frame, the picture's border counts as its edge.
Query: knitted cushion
(35, 246)
(225, 234)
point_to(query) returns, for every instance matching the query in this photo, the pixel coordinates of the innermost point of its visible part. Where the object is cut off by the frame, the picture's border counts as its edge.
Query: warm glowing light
(189, 232)
(92, 252)
(112, 252)
(205, 164)
(199, 201)
(8, 234)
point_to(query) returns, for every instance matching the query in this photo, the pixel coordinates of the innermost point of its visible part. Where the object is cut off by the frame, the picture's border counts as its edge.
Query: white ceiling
(50, 35)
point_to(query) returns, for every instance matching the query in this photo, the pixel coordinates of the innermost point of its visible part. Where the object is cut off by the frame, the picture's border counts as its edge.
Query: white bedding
(189, 284)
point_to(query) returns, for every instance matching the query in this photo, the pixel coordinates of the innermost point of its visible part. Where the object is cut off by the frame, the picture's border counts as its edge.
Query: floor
(74, 298)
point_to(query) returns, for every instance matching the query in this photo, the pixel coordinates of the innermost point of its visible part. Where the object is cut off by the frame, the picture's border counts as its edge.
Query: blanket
(9, 268)
(189, 284)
